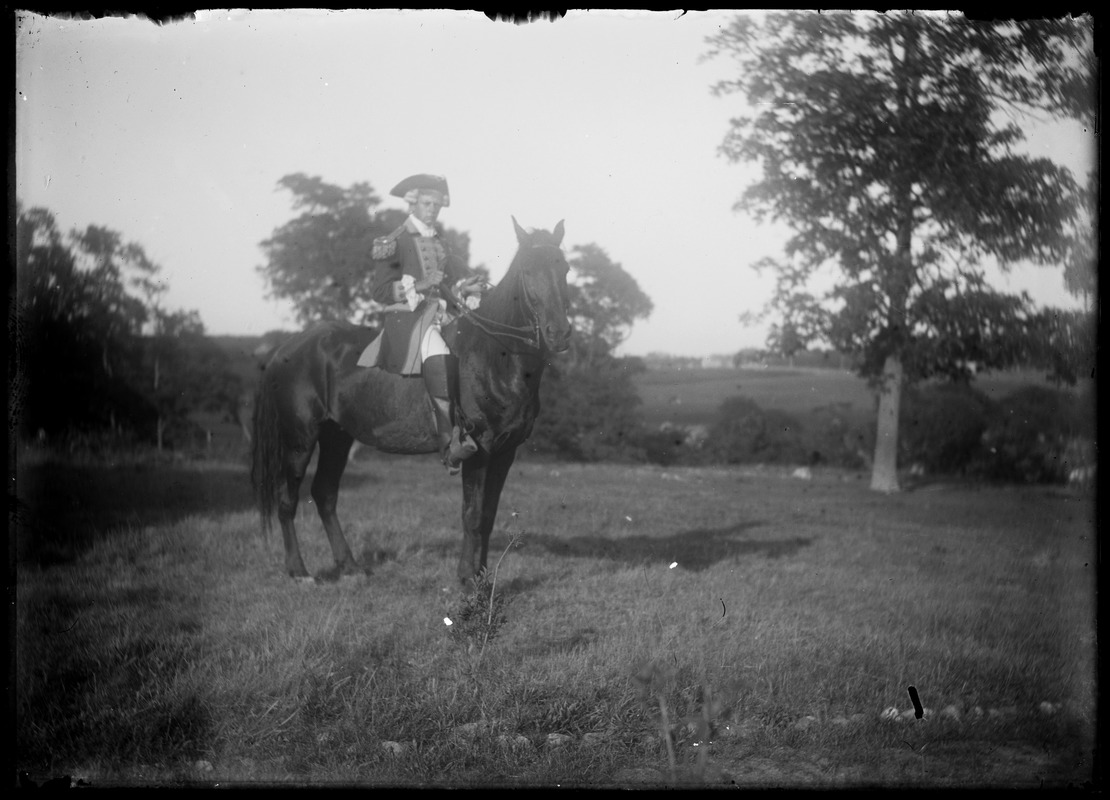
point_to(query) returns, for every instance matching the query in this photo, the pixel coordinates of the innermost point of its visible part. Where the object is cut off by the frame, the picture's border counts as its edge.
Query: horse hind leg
(294, 466)
(335, 445)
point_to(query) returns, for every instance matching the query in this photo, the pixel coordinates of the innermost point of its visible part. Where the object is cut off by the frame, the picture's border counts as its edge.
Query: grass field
(651, 627)
(693, 396)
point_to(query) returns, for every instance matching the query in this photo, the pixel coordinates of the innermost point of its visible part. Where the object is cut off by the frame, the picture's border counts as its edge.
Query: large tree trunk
(884, 469)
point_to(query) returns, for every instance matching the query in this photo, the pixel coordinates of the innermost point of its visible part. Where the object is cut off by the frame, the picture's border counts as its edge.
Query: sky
(176, 135)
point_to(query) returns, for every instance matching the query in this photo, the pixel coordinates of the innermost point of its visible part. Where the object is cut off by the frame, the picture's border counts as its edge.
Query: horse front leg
(483, 479)
(335, 444)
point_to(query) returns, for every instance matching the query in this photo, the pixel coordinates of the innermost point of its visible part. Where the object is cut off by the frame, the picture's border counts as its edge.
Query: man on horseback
(410, 266)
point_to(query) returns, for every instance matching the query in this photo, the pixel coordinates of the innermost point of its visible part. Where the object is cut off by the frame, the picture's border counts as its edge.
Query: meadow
(693, 396)
(648, 626)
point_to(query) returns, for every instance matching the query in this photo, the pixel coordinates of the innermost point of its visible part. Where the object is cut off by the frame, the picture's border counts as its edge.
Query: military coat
(406, 252)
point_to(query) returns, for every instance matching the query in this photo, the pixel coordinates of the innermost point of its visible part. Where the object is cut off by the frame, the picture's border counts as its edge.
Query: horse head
(543, 274)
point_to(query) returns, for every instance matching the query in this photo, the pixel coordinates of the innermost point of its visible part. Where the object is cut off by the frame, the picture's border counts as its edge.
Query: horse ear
(558, 233)
(521, 234)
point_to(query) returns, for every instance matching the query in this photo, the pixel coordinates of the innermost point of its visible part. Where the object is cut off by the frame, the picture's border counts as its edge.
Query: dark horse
(313, 392)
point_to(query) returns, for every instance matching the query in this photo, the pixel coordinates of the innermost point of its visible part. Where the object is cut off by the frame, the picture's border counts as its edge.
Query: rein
(528, 335)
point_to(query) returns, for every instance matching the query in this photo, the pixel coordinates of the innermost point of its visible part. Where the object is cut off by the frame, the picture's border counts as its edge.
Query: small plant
(651, 680)
(482, 613)
(699, 727)
(696, 710)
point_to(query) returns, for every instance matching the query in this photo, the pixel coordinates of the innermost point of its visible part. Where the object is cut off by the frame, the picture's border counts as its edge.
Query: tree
(74, 323)
(95, 349)
(887, 149)
(185, 372)
(1081, 267)
(590, 403)
(605, 301)
(801, 315)
(320, 260)
(590, 413)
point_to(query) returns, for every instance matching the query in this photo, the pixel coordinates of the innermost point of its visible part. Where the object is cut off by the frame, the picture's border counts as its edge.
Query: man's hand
(470, 290)
(469, 286)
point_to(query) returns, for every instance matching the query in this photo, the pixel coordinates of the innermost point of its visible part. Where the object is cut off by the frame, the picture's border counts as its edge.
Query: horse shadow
(696, 549)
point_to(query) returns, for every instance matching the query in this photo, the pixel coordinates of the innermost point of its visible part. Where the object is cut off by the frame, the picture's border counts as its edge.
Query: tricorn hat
(415, 183)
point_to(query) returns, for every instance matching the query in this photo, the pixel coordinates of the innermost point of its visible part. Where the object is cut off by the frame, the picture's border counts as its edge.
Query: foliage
(73, 328)
(1066, 344)
(884, 150)
(95, 349)
(745, 433)
(605, 302)
(948, 427)
(786, 340)
(943, 425)
(834, 436)
(589, 413)
(667, 446)
(802, 317)
(588, 398)
(481, 613)
(190, 374)
(1028, 439)
(1081, 266)
(320, 259)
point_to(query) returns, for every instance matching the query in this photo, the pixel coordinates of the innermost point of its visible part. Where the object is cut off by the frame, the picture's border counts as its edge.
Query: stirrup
(458, 451)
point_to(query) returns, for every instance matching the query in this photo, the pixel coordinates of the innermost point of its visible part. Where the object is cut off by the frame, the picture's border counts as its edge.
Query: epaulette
(385, 246)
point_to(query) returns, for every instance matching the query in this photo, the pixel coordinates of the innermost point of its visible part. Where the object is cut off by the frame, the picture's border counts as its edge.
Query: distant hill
(750, 357)
(692, 395)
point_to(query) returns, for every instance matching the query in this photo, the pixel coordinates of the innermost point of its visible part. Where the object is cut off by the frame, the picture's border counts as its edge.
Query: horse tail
(266, 453)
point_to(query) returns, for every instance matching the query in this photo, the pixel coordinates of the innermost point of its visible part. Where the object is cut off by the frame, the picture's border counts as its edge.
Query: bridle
(527, 335)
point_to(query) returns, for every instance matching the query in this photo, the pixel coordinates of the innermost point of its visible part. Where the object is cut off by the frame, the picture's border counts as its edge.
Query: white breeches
(432, 344)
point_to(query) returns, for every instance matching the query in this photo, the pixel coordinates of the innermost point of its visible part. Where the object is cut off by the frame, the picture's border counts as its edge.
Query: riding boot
(454, 447)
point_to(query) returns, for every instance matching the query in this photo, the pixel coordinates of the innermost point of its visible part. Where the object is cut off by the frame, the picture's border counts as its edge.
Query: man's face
(427, 206)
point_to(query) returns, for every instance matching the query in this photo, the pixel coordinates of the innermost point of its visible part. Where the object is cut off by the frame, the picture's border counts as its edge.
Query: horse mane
(502, 302)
